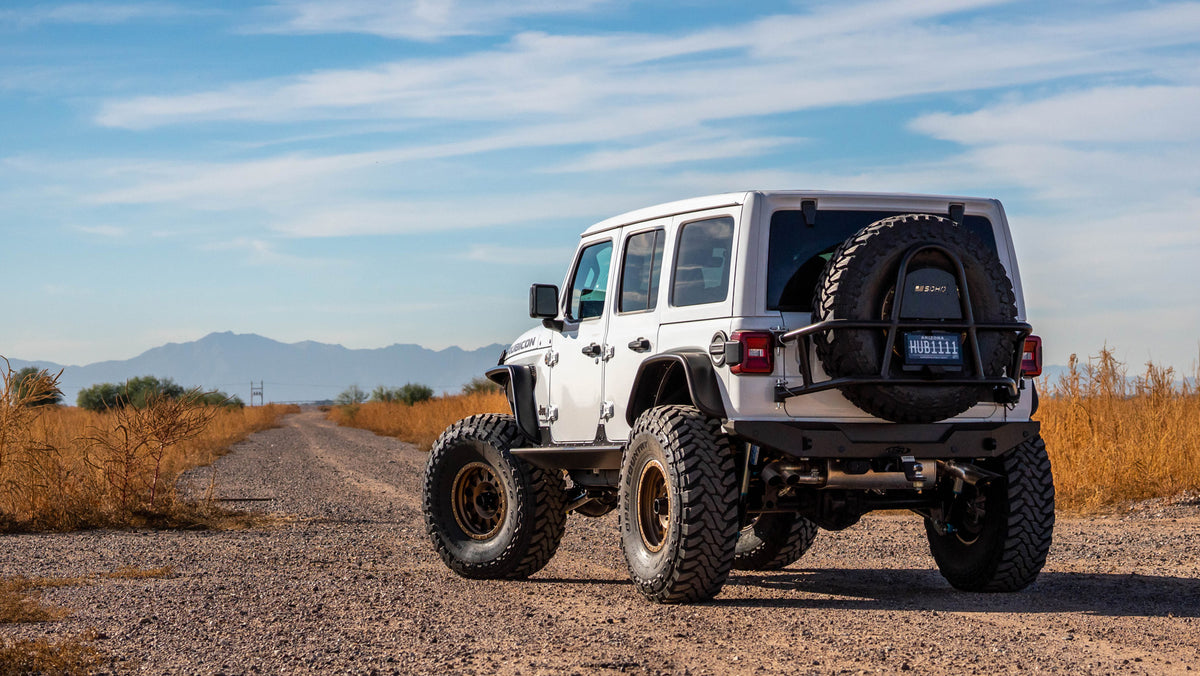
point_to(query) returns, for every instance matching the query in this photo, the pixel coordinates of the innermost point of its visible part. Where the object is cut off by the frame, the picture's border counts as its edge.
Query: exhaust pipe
(914, 474)
(780, 474)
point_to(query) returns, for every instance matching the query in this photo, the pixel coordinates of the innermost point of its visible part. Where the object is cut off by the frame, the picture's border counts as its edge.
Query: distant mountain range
(306, 371)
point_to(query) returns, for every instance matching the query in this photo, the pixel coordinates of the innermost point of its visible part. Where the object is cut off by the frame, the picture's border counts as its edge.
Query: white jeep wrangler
(733, 372)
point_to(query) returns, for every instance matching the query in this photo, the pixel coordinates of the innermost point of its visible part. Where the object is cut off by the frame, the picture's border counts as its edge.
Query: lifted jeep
(732, 373)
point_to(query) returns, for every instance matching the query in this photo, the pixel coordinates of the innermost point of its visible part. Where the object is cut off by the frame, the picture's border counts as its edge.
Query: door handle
(592, 350)
(639, 345)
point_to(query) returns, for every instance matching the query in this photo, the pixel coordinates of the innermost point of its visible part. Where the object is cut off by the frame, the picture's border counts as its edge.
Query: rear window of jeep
(797, 253)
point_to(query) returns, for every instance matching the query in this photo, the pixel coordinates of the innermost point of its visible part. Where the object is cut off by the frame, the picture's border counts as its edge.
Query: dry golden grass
(136, 573)
(20, 600)
(64, 468)
(66, 656)
(419, 424)
(1113, 439)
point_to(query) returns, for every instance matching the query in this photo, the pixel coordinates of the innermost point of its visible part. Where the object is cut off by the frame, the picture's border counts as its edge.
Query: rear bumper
(874, 440)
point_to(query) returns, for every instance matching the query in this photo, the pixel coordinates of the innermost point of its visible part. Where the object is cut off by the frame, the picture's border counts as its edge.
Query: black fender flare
(702, 383)
(517, 381)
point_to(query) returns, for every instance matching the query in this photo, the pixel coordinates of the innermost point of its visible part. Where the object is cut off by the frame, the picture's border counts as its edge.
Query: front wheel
(996, 536)
(489, 514)
(678, 505)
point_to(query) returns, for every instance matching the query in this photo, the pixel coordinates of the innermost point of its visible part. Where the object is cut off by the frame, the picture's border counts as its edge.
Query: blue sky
(367, 173)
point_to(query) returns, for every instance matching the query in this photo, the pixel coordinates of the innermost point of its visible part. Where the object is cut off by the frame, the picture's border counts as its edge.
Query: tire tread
(539, 492)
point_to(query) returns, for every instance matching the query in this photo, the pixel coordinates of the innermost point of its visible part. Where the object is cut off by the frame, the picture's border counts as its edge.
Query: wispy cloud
(690, 148)
(410, 19)
(96, 13)
(513, 255)
(1101, 115)
(413, 216)
(1100, 149)
(218, 186)
(625, 86)
(654, 100)
(263, 252)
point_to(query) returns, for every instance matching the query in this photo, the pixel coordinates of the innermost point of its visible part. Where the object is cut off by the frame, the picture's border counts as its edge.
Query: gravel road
(345, 581)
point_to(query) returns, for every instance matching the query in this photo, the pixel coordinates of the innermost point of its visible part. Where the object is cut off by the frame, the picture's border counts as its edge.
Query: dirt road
(348, 583)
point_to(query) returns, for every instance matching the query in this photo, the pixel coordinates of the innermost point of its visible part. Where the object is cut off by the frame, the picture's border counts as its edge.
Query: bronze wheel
(490, 515)
(679, 543)
(654, 506)
(479, 502)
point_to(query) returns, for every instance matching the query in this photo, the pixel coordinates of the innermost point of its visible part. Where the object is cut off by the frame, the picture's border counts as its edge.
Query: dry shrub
(420, 423)
(21, 602)
(137, 573)
(1114, 439)
(66, 656)
(64, 468)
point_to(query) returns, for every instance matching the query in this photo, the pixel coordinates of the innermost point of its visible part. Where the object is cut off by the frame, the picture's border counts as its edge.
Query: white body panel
(627, 327)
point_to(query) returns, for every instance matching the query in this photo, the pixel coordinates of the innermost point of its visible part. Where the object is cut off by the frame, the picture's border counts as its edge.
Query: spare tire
(859, 283)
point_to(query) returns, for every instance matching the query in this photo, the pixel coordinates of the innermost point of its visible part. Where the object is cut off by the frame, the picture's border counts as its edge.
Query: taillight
(758, 352)
(1031, 357)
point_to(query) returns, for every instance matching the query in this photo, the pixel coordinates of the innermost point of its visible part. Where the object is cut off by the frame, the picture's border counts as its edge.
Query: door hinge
(609, 352)
(551, 358)
(607, 410)
(548, 413)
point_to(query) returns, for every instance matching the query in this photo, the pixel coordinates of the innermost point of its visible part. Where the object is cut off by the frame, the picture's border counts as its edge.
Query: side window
(590, 283)
(702, 262)
(640, 271)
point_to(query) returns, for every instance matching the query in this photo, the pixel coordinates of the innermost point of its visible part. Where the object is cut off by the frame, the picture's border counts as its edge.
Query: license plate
(932, 349)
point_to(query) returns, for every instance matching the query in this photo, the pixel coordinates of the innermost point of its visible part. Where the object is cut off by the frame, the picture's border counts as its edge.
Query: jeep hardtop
(732, 373)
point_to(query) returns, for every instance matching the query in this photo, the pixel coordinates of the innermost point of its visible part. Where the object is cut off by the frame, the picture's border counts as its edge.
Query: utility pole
(256, 391)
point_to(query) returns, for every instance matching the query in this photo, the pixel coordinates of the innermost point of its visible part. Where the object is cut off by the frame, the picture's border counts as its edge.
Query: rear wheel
(489, 514)
(773, 541)
(678, 505)
(996, 536)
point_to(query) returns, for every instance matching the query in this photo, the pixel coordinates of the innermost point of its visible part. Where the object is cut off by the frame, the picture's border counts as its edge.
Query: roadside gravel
(343, 580)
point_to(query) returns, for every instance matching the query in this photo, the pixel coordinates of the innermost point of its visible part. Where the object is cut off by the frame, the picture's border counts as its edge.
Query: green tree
(217, 398)
(385, 394)
(139, 392)
(480, 385)
(412, 393)
(352, 395)
(100, 397)
(409, 393)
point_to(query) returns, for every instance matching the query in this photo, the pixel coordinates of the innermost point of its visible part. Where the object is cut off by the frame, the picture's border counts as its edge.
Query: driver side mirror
(543, 301)
(543, 304)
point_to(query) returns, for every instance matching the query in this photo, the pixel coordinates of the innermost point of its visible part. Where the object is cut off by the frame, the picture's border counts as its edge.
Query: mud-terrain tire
(489, 514)
(859, 283)
(1005, 549)
(773, 541)
(678, 505)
